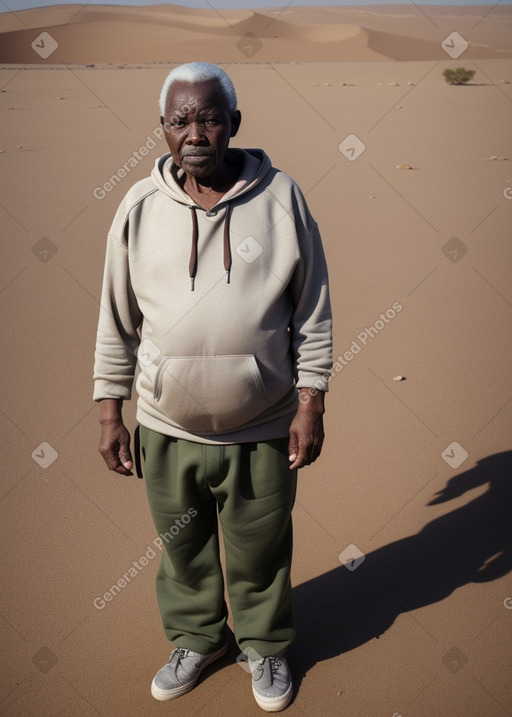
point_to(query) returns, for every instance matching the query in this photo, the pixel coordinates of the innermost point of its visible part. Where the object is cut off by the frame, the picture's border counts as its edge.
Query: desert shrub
(459, 76)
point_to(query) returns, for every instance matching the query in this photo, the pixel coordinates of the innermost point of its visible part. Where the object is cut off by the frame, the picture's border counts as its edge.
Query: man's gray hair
(199, 72)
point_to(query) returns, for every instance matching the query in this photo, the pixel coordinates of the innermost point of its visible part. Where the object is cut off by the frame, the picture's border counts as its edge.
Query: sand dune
(174, 40)
(109, 34)
(400, 47)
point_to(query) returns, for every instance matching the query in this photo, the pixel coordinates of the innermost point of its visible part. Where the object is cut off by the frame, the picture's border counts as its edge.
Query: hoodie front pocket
(210, 394)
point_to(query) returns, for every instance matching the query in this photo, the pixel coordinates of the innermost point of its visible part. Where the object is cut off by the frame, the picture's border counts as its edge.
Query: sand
(415, 474)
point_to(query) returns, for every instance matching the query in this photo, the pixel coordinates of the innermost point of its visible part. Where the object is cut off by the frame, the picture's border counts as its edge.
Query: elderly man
(215, 279)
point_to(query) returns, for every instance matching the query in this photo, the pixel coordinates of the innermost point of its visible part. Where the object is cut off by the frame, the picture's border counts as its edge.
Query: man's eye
(176, 122)
(212, 122)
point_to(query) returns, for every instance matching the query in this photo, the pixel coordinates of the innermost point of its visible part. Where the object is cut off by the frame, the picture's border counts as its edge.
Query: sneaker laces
(275, 664)
(179, 655)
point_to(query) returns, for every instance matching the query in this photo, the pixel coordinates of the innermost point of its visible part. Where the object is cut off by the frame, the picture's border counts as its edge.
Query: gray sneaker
(271, 683)
(181, 673)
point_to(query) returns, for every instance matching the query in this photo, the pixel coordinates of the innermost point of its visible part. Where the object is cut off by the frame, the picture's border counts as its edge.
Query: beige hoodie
(226, 310)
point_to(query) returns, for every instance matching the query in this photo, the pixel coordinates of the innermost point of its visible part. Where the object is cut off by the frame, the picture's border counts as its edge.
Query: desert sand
(403, 546)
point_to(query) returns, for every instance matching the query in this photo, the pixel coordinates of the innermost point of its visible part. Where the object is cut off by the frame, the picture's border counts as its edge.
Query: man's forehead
(190, 96)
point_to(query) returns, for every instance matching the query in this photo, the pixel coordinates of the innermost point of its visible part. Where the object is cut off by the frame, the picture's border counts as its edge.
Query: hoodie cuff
(106, 389)
(319, 382)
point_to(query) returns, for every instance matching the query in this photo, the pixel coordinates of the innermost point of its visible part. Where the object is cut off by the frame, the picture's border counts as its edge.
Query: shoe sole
(273, 704)
(164, 695)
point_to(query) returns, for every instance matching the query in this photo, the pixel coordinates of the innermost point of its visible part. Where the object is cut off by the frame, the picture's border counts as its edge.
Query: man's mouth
(196, 154)
(195, 158)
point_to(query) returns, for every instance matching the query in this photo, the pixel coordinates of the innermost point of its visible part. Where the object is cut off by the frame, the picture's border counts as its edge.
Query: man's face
(198, 126)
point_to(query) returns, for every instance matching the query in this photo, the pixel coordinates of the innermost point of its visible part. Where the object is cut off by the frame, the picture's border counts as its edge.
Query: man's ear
(236, 119)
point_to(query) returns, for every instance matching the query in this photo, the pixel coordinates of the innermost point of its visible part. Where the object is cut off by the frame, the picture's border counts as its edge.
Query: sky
(15, 5)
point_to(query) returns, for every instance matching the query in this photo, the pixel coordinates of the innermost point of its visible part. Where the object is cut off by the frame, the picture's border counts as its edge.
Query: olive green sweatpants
(250, 487)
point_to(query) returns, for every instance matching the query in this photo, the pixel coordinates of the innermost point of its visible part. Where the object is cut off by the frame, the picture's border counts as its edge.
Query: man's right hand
(115, 438)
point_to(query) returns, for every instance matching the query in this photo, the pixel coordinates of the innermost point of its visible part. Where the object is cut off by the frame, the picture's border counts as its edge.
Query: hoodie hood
(167, 177)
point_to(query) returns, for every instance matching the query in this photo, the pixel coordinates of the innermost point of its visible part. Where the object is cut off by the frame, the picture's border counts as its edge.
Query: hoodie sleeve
(119, 320)
(311, 321)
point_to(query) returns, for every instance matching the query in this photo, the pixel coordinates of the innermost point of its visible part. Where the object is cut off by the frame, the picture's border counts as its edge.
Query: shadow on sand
(341, 610)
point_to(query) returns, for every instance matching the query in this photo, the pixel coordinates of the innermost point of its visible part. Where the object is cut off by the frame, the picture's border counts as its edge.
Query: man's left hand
(307, 429)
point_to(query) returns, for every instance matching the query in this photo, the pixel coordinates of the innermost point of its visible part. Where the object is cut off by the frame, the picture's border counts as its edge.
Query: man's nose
(195, 133)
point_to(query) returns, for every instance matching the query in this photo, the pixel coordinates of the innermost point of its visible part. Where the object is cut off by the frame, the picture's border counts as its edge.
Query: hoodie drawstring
(227, 246)
(192, 266)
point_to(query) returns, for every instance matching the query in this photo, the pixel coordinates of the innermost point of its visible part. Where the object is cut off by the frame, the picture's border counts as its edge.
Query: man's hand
(115, 438)
(307, 429)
